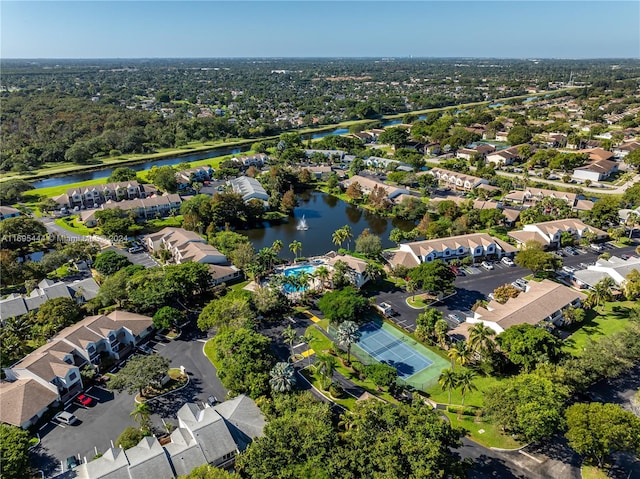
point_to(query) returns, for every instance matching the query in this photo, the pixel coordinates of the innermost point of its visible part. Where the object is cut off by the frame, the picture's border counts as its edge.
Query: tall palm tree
(282, 377)
(465, 382)
(277, 246)
(307, 339)
(460, 353)
(602, 292)
(448, 380)
(289, 335)
(19, 326)
(411, 288)
(347, 334)
(441, 327)
(322, 273)
(325, 365)
(338, 237)
(295, 247)
(632, 220)
(481, 338)
(348, 235)
(141, 415)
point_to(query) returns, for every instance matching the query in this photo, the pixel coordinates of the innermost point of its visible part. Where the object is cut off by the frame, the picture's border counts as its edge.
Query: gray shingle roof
(148, 460)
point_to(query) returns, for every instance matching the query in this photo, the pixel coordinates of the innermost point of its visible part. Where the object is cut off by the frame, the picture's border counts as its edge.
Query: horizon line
(328, 57)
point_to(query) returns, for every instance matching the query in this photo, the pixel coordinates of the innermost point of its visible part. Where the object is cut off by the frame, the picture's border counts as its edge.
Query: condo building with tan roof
(477, 245)
(55, 366)
(549, 233)
(542, 301)
(458, 181)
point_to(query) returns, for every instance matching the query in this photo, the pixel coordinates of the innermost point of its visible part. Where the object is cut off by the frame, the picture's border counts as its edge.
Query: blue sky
(157, 29)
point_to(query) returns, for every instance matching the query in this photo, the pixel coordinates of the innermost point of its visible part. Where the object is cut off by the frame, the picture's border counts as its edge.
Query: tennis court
(389, 349)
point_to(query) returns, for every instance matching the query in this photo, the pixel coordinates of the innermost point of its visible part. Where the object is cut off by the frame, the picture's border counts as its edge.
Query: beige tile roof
(423, 248)
(23, 399)
(596, 154)
(45, 365)
(404, 258)
(540, 301)
(524, 236)
(551, 227)
(197, 251)
(354, 263)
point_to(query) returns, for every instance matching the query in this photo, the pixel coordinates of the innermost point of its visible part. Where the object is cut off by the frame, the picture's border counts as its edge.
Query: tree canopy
(526, 345)
(434, 277)
(109, 262)
(139, 373)
(14, 451)
(346, 304)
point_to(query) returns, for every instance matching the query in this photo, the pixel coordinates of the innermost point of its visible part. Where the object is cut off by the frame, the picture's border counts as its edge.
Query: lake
(174, 160)
(324, 214)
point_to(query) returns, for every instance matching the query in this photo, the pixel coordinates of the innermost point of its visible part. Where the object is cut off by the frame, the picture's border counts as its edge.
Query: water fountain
(302, 225)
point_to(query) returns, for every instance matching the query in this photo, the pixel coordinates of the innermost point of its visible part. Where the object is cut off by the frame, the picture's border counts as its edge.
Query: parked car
(455, 317)
(519, 286)
(569, 269)
(625, 256)
(64, 417)
(145, 348)
(486, 265)
(85, 400)
(596, 247)
(507, 261)
(72, 462)
(571, 251)
(560, 253)
(136, 249)
(212, 400)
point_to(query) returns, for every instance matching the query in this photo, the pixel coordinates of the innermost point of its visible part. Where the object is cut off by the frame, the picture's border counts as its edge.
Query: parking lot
(142, 258)
(477, 283)
(103, 422)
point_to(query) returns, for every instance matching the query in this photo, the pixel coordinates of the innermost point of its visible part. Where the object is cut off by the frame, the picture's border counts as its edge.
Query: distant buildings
(549, 233)
(249, 188)
(17, 304)
(458, 181)
(90, 196)
(7, 212)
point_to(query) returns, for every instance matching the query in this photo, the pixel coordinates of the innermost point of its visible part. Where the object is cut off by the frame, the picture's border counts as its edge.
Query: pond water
(174, 160)
(324, 214)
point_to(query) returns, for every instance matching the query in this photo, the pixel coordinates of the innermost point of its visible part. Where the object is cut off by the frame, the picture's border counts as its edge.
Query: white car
(486, 265)
(507, 261)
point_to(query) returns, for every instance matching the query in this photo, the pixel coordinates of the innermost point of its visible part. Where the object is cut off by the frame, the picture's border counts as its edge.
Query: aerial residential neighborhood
(294, 261)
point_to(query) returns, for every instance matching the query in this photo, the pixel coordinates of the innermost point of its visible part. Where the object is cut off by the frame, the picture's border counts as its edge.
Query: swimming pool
(297, 271)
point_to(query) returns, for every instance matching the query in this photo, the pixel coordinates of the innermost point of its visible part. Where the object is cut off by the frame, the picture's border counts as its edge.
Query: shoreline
(176, 153)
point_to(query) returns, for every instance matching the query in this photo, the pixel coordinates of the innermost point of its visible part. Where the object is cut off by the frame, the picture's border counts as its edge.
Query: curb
(164, 394)
(499, 449)
(322, 394)
(413, 307)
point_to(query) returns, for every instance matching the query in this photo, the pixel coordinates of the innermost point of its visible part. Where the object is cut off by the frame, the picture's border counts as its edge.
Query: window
(73, 376)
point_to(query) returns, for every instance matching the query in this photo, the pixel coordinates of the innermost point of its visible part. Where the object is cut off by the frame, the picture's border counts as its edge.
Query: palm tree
(411, 288)
(602, 292)
(481, 338)
(19, 326)
(141, 415)
(347, 334)
(448, 380)
(441, 327)
(295, 247)
(465, 382)
(277, 246)
(282, 377)
(632, 220)
(322, 273)
(348, 235)
(338, 237)
(460, 353)
(325, 365)
(307, 339)
(289, 335)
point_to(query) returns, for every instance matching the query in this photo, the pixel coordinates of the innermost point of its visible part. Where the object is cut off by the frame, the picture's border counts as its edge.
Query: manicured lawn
(420, 300)
(491, 436)
(592, 472)
(600, 325)
(151, 226)
(209, 351)
(348, 402)
(71, 223)
(473, 398)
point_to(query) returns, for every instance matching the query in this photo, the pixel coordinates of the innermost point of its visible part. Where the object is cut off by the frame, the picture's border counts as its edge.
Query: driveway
(104, 422)
(99, 425)
(143, 258)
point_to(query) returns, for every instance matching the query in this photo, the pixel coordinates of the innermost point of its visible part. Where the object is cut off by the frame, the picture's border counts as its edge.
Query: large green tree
(527, 405)
(109, 262)
(139, 373)
(245, 360)
(597, 430)
(344, 305)
(434, 277)
(533, 257)
(14, 451)
(231, 311)
(526, 345)
(56, 314)
(207, 471)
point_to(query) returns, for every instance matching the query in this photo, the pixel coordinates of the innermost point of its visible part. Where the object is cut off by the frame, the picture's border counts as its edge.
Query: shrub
(462, 411)
(336, 390)
(130, 437)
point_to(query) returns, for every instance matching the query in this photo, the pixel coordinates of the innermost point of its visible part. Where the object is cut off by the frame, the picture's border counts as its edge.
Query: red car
(85, 400)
